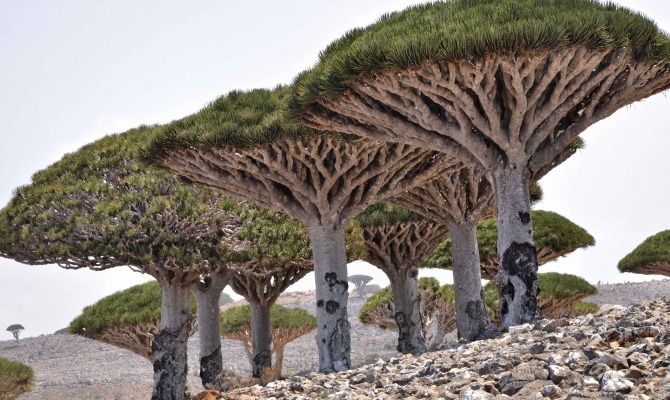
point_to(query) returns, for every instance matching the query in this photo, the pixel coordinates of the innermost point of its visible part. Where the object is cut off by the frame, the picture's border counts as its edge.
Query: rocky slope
(621, 353)
(72, 367)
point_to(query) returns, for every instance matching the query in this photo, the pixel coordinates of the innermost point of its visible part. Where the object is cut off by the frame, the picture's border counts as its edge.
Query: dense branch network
(521, 108)
(326, 177)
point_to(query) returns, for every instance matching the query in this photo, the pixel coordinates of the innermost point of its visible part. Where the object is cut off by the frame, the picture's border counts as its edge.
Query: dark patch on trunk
(331, 278)
(524, 217)
(332, 306)
(414, 273)
(475, 310)
(519, 260)
(170, 367)
(339, 346)
(340, 287)
(262, 361)
(319, 303)
(210, 367)
(406, 343)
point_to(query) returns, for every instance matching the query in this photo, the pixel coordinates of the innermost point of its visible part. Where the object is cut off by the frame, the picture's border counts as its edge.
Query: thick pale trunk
(471, 317)
(517, 275)
(407, 307)
(332, 292)
(207, 294)
(261, 338)
(169, 346)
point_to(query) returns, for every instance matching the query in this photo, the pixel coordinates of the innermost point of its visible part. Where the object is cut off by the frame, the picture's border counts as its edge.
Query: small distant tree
(287, 325)
(225, 299)
(15, 329)
(360, 281)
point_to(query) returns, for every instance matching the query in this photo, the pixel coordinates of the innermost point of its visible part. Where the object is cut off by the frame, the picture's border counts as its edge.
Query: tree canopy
(560, 294)
(651, 257)
(99, 208)
(136, 305)
(236, 319)
(453, 30)
(554, 236)
(128, 318)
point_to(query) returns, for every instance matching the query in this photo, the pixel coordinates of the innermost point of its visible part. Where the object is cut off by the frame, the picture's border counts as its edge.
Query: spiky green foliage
(383, 214)
(469, 29)
(553, 286)
(654, 250)
(15, 378)
(136, 305)
(551, 231)
(238, 318)
(99, 208)
(237, 119)
(384, 297)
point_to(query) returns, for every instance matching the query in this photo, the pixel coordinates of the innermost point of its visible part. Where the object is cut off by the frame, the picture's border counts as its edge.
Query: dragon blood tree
(271, 252)
(560, 295)
(278, 254)
(652, 257)
(99, 208)
(129, 319)
(397, 241)
(553, 234)
(507, 99)
(286, 324)
(437, 311)
(241, 145)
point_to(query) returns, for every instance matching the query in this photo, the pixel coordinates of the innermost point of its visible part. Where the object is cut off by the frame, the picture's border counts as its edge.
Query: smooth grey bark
(517, 275)
(407, 308)
(261, 338)
(332, 292)
(169, 346)
(472, 319)
(207, 293)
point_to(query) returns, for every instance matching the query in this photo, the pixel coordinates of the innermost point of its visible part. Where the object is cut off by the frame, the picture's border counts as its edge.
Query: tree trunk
(261, 338)
(517, 275)
(472, 320)
(332, 292)
(407, 306)
(279, 357)
(207, 296)
(169, 346)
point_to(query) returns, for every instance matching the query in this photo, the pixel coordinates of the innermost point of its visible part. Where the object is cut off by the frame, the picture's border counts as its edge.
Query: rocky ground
(72, 367)
(621, 353)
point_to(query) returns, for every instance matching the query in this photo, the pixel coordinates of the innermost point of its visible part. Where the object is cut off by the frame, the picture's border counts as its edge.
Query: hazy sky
(74, 71)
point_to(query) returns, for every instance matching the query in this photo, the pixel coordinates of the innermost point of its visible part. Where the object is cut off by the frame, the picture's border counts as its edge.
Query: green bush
(553, 286)
(550, 230)
(135, 305)
(655, 249)
(15, 378)
(238, 318)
